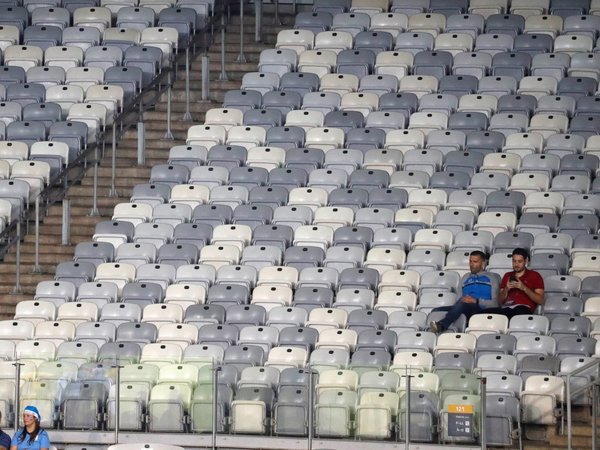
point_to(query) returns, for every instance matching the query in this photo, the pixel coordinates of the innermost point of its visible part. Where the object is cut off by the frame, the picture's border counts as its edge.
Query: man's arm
(503, 291)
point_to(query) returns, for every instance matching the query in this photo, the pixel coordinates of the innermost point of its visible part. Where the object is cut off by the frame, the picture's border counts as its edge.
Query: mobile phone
(512, 278)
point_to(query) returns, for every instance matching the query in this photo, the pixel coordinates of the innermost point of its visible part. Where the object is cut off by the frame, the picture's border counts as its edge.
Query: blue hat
(33, 411)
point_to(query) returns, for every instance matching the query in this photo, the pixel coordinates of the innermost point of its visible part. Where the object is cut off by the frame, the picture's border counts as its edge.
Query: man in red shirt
(521, 290)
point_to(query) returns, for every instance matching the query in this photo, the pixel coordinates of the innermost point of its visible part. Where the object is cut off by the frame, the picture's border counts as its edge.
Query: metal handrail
(593, 384)
(57, 187)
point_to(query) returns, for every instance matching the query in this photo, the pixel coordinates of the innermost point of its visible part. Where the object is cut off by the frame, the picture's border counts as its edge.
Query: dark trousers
(509, 312)
(456, 310)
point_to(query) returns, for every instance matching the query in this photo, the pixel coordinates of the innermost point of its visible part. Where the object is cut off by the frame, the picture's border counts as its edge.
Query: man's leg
(455, 311)
(509, 312)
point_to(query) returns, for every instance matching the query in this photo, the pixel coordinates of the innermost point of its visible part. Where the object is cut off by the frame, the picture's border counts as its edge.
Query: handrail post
(258, 6)
(113, 163)
(168, 134)
(17, 288)
(569, 418)
(407, 417)
(482, 406)
(187, 117)
(141, 143)
(66, 222)
(17, 394)
(36, 265)
(215, 411)
(118, 401)
(594, 413)
(205, 79)
(223, 75)
(276, 19)
(311, 408)
(94, 211)
(241, 58)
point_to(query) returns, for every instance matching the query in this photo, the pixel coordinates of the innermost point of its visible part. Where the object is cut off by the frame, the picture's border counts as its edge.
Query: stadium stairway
(129, 173)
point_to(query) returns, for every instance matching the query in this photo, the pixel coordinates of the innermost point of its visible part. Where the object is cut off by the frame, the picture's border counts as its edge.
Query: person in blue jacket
(32, 436)
(4, 438)
(479, 292)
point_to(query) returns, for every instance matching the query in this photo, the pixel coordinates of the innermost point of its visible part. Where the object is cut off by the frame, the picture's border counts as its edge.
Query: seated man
(479, 291)
(521, 290)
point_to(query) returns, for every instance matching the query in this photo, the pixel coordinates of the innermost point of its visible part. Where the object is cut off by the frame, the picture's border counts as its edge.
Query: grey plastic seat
(577, 86)
(493, 43)
(569, 346)
(576, 164)
(214, 333)
(512, 24)
(505, 201)
(303, 256)
(119, 353)
(435, 63)
(423, 416)
(72, 133)
(565, 9)
(181, 18)
(284, 101)
(476, 64)
(75, 272)
(227, 156)
(365, 138)
(414, 42)
(300, 82)
(358, 236)
(376, 41)
(485, 141)
(359, 278)
(513, 64)
(11, 74)
(468, 121)
(321, 101)
(533, 43)
(359, 62)
(588, 105)
(458, 85)
(245, 315)
(502, 418)
(462, 161)
(128, 77)
(552, 64)
(570, 326)
(346, 120)
(285, 137)
(137, 333)
(94, 252)
(390, 198)
(444, 103)
(495, 344)
(26, 93)
(303, 337)
(147, 59)
(200, 315)
(242, 99)
(227, 294)
(169, 174)
(265, 118)
(372, 339)
(448, 7)
(80, 396)
(212, 214)
(315, 21)
(177, 254)
(42, 36)
(402, 102)
(575, 224)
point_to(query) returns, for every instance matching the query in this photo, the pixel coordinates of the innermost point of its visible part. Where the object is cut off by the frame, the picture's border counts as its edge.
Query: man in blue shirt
(4, 438)
(479, 292)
